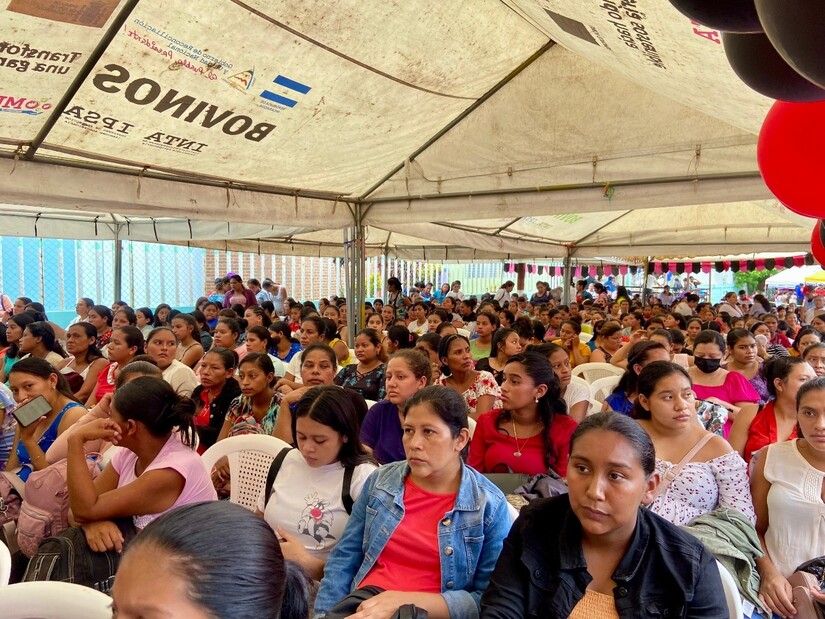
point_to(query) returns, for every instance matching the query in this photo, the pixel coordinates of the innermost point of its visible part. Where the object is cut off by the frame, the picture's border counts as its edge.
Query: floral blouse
(484, 384)
(243, 420)
(701, 487)
(370, 384)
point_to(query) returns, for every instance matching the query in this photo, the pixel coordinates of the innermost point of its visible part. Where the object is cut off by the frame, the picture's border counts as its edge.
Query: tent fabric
(789, 278)
(491, 130)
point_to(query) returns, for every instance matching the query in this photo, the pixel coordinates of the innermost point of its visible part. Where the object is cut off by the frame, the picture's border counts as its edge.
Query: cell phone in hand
(32, 411)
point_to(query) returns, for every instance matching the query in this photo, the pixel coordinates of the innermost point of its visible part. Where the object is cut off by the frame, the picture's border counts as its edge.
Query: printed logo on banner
(95, 122)
(22, 58)
(24, 105)
(151, 95)
(241, 81)
(174, 143)
(286, 96)
(92, 13)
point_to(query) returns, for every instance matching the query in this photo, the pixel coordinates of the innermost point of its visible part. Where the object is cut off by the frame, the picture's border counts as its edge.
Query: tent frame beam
(80, 78)
(469, 110)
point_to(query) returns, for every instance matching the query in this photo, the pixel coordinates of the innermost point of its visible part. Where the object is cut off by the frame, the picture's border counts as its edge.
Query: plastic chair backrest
(580, 381)
(593, 371)
(250, 457)
(595, 407)
(5, 564)
(732, 595)
(54, 600)
(472, 425)
(584, 338)
(602, 387)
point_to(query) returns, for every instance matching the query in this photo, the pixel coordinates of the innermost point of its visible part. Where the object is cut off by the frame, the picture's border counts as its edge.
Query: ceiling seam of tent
(80, 78)
(158, 174)
(469, 110)
(549, 188)
(344, 56)
(517, 237)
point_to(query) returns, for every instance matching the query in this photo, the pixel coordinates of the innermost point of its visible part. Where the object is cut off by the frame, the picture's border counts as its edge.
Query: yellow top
(584, 351)
(595, 605)
(342, 362)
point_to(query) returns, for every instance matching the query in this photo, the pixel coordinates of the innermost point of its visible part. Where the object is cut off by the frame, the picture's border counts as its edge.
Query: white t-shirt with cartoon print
(306, 501)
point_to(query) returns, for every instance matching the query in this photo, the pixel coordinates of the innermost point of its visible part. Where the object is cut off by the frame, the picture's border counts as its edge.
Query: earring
(537, 400)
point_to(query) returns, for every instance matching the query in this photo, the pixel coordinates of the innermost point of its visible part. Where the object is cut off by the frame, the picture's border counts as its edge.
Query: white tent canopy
(498, 129)
(789, 278)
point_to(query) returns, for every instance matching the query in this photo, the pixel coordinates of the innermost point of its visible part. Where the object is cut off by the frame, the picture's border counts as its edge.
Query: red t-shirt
(763, 431)
(411, 560)
(491, 450)
(106, 381)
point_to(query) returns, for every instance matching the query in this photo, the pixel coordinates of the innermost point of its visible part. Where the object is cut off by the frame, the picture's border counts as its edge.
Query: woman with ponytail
(531, 431)
(156, 471)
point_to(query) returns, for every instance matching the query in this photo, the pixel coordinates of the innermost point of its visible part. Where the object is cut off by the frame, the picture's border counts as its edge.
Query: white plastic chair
(595, 407)
(5, 565)
(584, 338)
(732, 596)
(471, 423)
(602, 387)
(580, 381)
(250, 457)
(594, 371)
(54, 600)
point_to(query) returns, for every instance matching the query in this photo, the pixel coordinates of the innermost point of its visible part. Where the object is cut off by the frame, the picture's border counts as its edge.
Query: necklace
(517, 452)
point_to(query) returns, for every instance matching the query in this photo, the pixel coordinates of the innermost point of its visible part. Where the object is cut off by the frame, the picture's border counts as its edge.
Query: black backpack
(346, 499)
(66, 557)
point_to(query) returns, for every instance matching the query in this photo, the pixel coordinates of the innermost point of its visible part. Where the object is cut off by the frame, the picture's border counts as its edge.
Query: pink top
(736, 388)
(485, 384)
(173, 455)
(492, 449)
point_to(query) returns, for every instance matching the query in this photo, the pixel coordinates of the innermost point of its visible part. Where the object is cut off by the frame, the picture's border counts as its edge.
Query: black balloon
(797, 30)
(759, 65)
(722, 15)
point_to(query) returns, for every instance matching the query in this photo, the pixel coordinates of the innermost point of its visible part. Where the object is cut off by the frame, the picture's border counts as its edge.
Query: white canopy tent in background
(492, 129)
(790, 278)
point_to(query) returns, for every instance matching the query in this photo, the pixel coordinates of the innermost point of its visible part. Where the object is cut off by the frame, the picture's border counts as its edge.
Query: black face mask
(708, 366)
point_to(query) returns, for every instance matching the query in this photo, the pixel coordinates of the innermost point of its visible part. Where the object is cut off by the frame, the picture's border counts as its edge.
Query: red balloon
(817, 248)
(791, 155)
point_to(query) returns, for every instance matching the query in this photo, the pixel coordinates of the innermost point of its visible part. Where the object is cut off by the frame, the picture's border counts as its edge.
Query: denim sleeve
(497, 518)
(708, 595)
(505, 596)
(346, 557)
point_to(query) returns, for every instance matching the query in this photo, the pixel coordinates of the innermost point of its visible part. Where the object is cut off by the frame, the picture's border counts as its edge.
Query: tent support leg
(644, 285)
(354, 252)
(385, 273)
(566, 279)
(118, 267)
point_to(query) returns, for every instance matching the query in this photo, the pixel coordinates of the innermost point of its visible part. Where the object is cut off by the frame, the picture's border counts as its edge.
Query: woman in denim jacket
(596, 553)
(426, 531)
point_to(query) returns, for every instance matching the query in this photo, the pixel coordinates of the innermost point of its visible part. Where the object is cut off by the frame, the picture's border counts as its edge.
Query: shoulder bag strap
(346, 498)
(273, 472)
(673, 472)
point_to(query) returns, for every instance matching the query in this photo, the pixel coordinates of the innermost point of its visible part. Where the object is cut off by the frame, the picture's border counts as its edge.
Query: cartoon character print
(316, 521)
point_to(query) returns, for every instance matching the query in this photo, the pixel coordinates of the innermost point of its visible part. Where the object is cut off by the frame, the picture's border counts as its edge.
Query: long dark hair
(45, 332)
(238, 560)
(444, 350)
(625, 427)
(448, 404)
(43, 369)
(638, 355)
(649, 378)
(335, 408)
(93, 353)
(22, 320)
(153, 402)
(549, 405)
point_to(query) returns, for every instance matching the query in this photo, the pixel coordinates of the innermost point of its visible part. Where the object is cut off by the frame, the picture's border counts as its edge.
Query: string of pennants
(659, 267)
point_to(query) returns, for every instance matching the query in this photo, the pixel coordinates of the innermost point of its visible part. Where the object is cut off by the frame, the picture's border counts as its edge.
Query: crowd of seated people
(399, 442)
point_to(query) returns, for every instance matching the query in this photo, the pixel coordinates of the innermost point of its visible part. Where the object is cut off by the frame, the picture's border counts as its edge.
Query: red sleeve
(560, 433)
(478, 446)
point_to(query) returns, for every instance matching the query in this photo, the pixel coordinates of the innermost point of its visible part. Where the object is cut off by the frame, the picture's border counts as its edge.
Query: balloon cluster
(776, 47)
